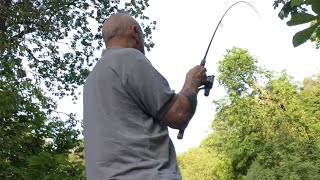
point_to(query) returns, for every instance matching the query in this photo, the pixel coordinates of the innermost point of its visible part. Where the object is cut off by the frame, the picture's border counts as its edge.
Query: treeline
(266, 127)
(46, 52)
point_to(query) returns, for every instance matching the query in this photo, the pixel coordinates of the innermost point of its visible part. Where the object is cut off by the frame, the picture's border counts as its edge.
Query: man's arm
(184, 107)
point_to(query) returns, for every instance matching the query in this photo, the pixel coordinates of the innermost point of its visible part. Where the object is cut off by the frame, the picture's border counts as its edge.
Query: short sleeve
(147, 87)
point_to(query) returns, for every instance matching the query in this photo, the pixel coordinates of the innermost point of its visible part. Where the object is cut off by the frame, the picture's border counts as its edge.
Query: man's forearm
(190, 91)
(184, 107)
(192, 103)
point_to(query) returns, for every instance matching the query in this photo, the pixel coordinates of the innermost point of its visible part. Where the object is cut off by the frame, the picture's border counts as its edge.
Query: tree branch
(261, 90)
(3, 18)
(31, 54)
(266, 96)
(24, 32)
(2, 23)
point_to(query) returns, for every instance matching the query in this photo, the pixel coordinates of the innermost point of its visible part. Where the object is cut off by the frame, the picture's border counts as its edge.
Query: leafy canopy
(46, 51)
(267, 126)
(198, 164)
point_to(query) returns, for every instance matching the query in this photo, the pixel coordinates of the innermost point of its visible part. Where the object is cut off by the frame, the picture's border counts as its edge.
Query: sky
(183, 32)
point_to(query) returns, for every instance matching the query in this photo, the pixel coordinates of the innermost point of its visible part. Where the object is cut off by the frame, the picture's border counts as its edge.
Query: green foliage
(300, 18)
(241, 75)
(300, 15)
(302, 36)
(257, 171)
(48, 166)
(46, 51)
(265, 132)
(198, 164)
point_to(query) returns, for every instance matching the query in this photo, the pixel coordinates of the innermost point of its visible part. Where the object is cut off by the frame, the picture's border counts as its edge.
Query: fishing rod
(209, 81)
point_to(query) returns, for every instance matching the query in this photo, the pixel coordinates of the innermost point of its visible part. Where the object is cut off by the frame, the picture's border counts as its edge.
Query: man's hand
(195, 78)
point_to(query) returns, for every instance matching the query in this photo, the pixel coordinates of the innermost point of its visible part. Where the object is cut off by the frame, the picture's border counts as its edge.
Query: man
(128, 105)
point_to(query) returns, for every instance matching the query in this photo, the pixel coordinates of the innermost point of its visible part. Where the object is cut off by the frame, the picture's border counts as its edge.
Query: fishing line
(209, 82)
(203, 62)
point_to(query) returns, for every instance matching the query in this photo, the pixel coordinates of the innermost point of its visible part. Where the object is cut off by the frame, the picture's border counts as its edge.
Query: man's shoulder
(130, 57)
(119, 51)
(132, 51)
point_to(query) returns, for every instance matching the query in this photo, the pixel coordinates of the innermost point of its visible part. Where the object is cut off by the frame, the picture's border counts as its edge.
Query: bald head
(122, 30)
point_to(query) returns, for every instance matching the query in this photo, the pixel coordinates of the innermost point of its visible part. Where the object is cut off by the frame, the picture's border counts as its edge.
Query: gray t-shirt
(124, 100)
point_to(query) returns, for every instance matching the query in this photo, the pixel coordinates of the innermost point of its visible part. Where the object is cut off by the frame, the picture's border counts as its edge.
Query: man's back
(124, 98)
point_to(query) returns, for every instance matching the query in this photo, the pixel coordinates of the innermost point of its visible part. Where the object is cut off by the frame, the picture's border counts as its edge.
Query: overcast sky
(183, 31)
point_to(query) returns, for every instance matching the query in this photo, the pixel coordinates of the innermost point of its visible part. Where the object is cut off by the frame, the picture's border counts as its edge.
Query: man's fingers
(205, 69)
(199, 72)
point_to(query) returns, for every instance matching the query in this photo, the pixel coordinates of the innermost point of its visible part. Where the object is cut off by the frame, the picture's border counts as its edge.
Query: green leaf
(315, 5)
(318, 33)
(34, 161)
(295, 2)
(302, 36)
(300, 18)
(61, 159)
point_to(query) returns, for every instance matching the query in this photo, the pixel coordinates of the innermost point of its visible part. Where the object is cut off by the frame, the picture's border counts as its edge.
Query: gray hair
(112, 28)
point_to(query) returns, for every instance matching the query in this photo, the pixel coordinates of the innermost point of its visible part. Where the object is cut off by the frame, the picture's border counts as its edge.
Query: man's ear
(134, 33)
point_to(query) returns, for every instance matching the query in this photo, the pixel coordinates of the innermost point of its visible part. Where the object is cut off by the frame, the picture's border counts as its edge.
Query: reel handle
(207, 87)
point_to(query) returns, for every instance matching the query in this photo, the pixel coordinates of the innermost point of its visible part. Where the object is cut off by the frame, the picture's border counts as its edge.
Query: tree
(46, 51)
(265, 132)
(198, 164)
(298, 9)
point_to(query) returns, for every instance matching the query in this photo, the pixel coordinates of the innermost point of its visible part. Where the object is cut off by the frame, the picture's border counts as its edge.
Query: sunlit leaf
(300, 18)
(302, 36)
